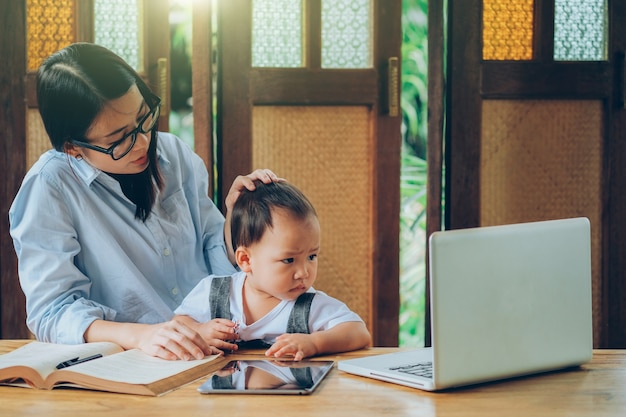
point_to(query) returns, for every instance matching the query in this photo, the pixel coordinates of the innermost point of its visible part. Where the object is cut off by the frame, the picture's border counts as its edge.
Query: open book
(129, 372)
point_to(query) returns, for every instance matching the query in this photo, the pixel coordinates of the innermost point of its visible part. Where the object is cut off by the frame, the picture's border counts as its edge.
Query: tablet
(267, 376)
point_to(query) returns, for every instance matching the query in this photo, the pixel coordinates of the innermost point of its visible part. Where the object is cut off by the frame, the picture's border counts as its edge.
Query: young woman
(113, 227)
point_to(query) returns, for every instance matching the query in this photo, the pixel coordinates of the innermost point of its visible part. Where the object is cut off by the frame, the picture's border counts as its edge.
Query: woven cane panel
(542, 160)
(37, 141)
(325, 151)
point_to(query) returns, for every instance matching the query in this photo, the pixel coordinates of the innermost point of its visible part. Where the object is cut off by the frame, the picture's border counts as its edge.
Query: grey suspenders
(299, 317)
(220, 306)
(298, 323)
(219, 299)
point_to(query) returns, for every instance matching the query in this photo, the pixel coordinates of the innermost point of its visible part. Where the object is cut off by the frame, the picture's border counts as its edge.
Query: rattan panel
(37, 141)
(543, 160)
(325, 151)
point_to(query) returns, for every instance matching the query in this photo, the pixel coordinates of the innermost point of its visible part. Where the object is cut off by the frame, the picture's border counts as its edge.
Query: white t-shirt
(326, 311)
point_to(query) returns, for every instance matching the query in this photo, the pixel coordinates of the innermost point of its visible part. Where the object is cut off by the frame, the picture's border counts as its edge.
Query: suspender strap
(298, 323)
(303, 376)
(219, 299)
(299, 317)
(222, 382)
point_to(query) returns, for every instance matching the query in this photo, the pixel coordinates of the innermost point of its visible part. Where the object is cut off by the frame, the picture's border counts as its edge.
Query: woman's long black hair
(73, 86)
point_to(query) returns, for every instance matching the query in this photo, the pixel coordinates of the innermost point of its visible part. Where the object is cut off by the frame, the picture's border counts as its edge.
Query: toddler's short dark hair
(252, 213)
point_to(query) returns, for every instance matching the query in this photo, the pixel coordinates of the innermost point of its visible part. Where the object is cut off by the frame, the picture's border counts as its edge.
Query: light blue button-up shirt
(83, 256)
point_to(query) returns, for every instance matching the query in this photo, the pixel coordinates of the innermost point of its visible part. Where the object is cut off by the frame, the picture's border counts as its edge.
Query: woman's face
(119, 117)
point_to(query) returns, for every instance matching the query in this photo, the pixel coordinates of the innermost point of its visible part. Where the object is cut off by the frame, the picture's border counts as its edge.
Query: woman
(113, 227)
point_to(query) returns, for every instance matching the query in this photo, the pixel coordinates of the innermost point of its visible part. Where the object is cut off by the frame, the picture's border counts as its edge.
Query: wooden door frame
(470, 80)
(386, 268)
(435, 153)
(13, 159)
(289, 86)
(202, 85)
(615, 229)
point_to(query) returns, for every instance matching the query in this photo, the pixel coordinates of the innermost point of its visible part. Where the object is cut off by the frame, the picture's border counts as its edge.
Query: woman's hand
(247, 182)
(173, 340)
(243, 182)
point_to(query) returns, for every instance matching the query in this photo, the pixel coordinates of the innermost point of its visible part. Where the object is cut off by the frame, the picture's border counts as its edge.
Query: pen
(76, 361)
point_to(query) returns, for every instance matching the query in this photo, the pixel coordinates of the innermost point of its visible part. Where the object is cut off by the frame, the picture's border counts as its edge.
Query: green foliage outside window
(413, 172)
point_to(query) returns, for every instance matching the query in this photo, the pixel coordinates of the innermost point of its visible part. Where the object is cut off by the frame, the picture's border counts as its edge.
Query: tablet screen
(267, 376)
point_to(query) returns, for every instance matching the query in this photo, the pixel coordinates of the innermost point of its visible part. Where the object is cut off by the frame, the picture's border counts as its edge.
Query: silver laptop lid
(510, 300)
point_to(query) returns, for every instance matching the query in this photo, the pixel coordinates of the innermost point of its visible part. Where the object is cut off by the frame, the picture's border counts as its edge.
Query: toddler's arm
(342, 338)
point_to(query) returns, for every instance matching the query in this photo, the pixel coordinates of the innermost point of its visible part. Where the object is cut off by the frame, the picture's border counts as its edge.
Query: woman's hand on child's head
(298, 345)
(247, 182)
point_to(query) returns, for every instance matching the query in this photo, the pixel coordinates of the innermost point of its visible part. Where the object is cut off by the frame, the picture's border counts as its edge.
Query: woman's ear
(72, 150)
(242, 256)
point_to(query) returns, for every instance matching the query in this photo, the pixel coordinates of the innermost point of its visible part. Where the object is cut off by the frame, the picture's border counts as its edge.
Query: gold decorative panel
(540, 160)
(508, 29)
(50, 27)
(330, 162)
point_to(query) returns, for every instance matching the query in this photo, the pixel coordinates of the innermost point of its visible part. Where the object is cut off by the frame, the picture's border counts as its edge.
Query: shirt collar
(88, 173)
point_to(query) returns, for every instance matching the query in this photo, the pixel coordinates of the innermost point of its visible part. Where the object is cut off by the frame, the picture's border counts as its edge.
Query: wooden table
(596, 389)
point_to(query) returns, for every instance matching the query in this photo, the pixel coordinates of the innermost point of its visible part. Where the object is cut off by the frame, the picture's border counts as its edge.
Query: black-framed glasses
(120, 148)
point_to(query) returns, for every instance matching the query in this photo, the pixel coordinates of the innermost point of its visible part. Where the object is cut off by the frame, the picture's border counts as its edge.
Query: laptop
(506, 301)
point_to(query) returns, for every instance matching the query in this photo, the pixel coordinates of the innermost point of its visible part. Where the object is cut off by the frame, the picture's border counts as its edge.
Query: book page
(44, 357)
(133, 367)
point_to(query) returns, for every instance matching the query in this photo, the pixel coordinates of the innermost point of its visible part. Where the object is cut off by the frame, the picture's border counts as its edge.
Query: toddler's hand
(298, 345)
(220, 333)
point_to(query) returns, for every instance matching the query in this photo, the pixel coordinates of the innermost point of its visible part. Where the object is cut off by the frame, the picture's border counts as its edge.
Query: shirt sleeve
(57, 293)
(327, 312)
(196, 304)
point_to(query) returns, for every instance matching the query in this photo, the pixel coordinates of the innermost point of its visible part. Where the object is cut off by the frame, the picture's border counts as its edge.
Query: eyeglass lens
(146, 126)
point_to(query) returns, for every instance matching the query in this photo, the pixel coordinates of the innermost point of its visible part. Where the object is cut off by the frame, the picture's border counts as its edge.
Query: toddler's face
(284, 262)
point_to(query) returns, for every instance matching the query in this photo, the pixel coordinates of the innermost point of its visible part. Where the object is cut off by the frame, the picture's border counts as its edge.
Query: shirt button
(175, 291)
(166, 252)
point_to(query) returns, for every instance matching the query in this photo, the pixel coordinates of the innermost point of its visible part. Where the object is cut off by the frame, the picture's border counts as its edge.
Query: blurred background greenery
(181, 117)
(414, 136)
(413, 172)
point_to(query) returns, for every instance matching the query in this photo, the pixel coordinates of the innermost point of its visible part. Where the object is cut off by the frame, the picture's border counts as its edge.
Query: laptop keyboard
(423, 369)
